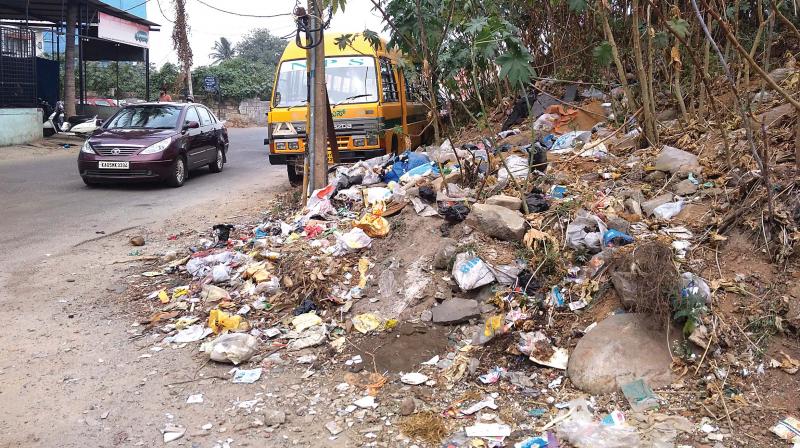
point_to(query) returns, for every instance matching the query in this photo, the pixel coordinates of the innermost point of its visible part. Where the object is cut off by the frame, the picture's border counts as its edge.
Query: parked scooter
(78, 124)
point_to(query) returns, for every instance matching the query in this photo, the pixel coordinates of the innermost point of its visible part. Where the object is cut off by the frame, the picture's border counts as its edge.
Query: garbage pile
(576, 271)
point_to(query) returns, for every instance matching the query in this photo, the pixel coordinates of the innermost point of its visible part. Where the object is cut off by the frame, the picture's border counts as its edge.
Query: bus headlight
(294, 145)
(357, 142)
(280, 145)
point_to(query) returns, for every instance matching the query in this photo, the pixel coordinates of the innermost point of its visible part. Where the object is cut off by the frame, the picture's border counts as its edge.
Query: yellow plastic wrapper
(163, 296)
(306, 320)
(219, 321)
(373, 223)
(363, 265)
(367, 322)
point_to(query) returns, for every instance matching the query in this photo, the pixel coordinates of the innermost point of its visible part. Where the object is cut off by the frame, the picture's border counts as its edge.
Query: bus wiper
(350, 98)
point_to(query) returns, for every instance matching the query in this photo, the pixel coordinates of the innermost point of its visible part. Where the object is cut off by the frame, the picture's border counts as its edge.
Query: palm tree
(223, 50)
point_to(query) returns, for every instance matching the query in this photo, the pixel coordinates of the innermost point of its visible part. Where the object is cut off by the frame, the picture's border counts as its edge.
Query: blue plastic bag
(615, 238)
(404, 163)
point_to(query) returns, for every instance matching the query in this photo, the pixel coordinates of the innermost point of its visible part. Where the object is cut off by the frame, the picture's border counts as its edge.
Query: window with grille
(389, 81)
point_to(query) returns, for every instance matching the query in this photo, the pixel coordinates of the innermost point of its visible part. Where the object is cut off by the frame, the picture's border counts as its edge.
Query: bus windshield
(350, 79)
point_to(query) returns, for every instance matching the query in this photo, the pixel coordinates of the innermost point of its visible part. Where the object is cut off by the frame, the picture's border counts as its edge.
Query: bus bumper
(344, 156)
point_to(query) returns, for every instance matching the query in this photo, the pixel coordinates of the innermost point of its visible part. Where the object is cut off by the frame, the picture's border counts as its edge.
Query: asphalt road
(45, 207)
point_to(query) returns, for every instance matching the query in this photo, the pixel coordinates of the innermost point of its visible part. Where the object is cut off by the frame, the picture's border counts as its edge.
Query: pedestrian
(164, 96)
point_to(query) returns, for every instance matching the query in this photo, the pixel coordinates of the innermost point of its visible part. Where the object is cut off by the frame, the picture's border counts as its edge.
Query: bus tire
(395, 145)
(295, 179)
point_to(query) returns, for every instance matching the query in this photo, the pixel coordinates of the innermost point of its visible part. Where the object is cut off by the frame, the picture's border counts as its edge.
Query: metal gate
(17, 67)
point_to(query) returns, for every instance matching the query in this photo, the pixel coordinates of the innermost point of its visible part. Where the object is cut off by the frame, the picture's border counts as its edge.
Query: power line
(136, 6)
(242, 15)
(162, 12)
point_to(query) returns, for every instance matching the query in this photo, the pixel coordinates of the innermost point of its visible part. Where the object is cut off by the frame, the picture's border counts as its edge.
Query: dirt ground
(56, 145)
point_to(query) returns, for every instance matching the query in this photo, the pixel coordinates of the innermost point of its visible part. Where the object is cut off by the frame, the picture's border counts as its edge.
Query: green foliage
(261, 46)
(680, 26)
(516, 67)
(689, 309)
(334, 5)
(603, 54)
(578, 5)
(239, 78)
(222, 50)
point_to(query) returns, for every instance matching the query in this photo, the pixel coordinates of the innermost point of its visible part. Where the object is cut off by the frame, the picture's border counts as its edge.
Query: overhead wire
(158, 2)
(136, 6)
(243, 14)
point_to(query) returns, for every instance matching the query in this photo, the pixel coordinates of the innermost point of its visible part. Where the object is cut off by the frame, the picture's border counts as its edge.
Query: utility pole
(69, 61)
(318, 103)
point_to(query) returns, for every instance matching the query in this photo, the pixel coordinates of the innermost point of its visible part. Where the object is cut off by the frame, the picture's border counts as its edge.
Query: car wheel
(216, 165)
(88, 182)
(179, 173)
(295, 179)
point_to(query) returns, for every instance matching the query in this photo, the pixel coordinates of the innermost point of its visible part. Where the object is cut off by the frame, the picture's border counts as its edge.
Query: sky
(208, 25)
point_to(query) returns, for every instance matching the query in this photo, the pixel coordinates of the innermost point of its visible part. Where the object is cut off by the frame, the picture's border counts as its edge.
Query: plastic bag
(694, 284)
(403, 164)
(373, 223)
(668, 211)
(235, 348)
(471, 272)
(586, 232)
(419, 172)
(566, 142)
(454, 213)
(518, 166)
(615, 238)
(378, 194)
(545, 122)
(219, 321)
(220, 273)
(351, 241)
(583, 431)
(537, 203)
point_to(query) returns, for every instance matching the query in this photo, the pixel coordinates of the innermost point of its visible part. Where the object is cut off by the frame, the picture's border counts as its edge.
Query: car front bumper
(150, 170)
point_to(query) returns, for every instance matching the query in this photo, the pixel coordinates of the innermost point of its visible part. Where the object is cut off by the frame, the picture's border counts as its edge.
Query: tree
(222, 51)
(238, 78)
(261, 46)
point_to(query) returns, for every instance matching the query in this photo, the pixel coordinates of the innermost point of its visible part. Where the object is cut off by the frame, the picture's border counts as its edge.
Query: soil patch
(403, 348)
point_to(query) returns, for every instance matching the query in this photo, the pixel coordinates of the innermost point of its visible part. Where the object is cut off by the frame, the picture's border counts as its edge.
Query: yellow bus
(369, 97)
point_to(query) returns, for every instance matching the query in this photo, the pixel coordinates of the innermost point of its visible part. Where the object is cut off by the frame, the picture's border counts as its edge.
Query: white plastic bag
(586, 232)
(471, 272)
(545, 122)
(668, 211)
(583, 431)
(234, 348)
(518, 166)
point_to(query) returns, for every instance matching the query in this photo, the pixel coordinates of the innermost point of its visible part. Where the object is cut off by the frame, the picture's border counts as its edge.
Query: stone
(685, 188)
(447, 250)
(407, 406)
(620, 349)
(632, 193)
(426, 316)
(620, 224)
(780, 74)
(674, 160)
(655, 176)
(649, 206)
(695, 214)
(333, 428)
(625, 285)
(138, 240)
(274, 417)
(793, 315)
(633, 207)
(509, 202)
(455, 311)
(498, 222)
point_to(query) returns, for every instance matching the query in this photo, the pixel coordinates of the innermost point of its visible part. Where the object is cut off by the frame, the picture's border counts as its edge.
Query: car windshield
(146, 117)
(350, 79)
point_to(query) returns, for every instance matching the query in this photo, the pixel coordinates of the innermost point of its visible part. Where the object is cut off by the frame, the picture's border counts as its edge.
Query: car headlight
(87, 148)
(157, 147)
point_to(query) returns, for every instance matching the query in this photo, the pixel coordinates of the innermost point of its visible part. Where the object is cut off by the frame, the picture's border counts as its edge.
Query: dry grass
(427, 426)
(655, 274)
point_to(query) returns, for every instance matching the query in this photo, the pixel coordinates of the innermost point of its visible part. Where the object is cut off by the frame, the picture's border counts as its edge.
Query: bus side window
(389, 81)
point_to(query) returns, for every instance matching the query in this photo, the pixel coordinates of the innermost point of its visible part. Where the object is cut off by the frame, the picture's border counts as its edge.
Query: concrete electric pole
(318, 134)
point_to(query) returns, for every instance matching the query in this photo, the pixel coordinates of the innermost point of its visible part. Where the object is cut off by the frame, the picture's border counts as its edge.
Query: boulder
(685, 188)
(674, 160)
(498, 222)
(649, 206)
(455, 310)
(780, 74)
(620, 224)
(407, 406)
(633, 207)
(447, 250)
(509, 202)
(274, 417)
(621, 348)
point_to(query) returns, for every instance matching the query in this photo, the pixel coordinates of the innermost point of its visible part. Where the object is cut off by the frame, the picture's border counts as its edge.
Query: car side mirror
(191, 125)
(98, 122)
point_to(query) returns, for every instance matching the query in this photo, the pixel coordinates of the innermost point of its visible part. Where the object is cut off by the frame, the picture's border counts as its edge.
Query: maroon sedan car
(154, 141)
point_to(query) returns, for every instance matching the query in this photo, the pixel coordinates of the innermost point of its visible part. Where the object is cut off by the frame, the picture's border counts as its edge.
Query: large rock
(618, 350)
(455, 311)
(498, 222)
(674, 160)
(685, 188)
(652, 204)
(509, 202)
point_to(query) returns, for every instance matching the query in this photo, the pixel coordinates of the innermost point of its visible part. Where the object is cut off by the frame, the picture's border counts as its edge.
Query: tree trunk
(677, 79)
(69, 61)
(644, 84)
(617, 61)
(427, 57)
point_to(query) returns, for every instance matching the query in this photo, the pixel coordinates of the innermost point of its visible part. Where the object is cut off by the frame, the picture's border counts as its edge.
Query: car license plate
(113, 165)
